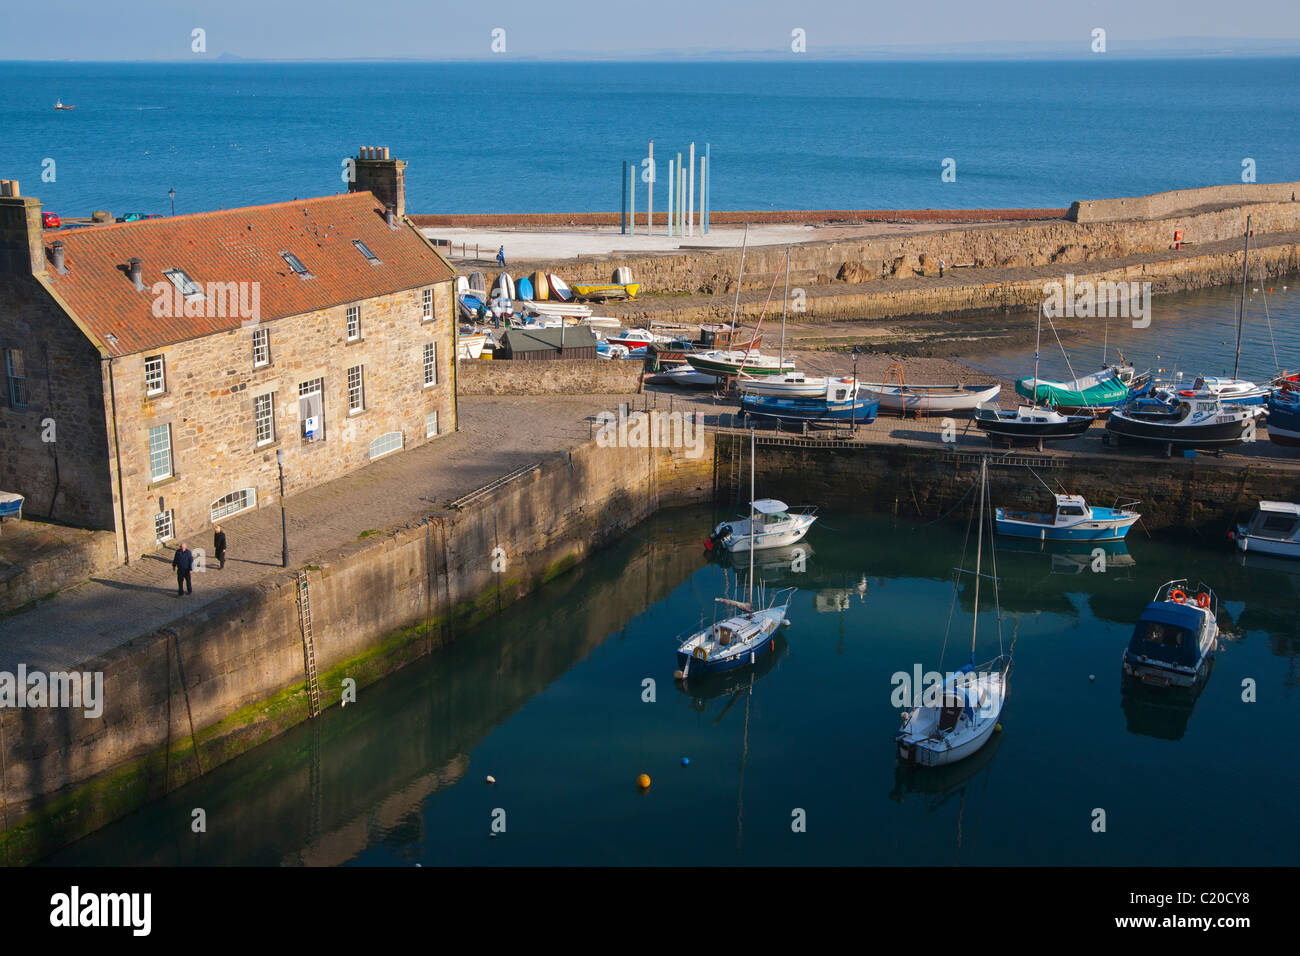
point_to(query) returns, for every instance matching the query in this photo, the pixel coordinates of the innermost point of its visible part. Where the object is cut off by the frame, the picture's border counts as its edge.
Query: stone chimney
(22, 236)
(384, 177)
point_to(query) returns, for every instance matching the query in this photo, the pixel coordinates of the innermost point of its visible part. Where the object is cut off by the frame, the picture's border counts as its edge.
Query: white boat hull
(921, 742)
(931, 398)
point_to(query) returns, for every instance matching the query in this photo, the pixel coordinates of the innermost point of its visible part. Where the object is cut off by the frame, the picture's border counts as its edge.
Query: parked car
(131, 217)
(50, 221)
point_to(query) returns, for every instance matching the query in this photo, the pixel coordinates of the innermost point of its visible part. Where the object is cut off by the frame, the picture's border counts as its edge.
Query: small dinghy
(951, 722)
(682, 377)
(1072, 520)
(771, 524)
(932, 399)
(1274, 528)
(524, 288)
(1029, 424)
(541, 289)
(558, 288)
(1176, 636)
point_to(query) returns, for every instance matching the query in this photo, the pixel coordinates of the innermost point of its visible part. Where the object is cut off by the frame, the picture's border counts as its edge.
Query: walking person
(941, 265)
(183, 562)
(501, 257)
(219, 545)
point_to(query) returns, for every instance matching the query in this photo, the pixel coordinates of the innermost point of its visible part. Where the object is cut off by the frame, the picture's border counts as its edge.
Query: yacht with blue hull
(1176, 636)
(1073, 520)
(738, 641)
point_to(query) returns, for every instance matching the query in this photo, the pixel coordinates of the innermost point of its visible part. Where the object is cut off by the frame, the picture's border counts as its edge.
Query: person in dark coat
(183, 562)
(219, 545)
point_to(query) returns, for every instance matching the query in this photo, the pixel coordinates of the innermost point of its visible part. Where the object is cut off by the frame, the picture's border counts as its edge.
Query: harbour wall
(230, 676)
(557, 377)
(74, 556)
(1159, 205)
(1059, 243)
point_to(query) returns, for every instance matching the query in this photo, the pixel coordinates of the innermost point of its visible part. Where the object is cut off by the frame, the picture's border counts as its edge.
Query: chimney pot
(59, 265)
(392, 216)
(135, 270)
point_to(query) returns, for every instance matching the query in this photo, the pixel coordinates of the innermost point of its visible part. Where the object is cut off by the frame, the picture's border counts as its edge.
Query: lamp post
(853, 398)
(172, 195)
(284, 531)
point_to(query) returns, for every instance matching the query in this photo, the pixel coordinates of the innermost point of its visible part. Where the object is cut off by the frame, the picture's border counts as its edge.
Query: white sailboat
(965, 711)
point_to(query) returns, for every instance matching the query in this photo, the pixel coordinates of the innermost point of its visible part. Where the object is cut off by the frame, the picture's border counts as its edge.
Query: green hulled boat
(733, 361)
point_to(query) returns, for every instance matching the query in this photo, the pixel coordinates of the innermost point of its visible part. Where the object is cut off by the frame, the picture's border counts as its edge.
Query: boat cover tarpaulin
(1167, 632)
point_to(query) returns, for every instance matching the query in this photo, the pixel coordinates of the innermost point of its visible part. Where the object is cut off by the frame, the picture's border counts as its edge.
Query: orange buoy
(1178, 596)
(643, 781)
(1202, 600)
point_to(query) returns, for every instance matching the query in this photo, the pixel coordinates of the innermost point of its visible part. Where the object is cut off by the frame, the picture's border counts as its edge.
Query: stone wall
(210, 386)
(70, 558)
(231, 675)
(67, 478)
(560, 377)
(1160, 205)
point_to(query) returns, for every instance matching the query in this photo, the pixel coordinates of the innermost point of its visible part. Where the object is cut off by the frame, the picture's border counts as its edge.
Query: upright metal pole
(702, 229)
(623, 205)
(740, 274)
(631, 199)
(1241, 315)
(677, 196)
(650, 194)
(671, 187)
(708, 183)
(284, 526)
(784, 301)
(690, 197)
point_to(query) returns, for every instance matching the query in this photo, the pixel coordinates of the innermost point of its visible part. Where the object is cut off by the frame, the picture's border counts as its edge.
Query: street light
(284, 531)
(853, 399)
(172, 194)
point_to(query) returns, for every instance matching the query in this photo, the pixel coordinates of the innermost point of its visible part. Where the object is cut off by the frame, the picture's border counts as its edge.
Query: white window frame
(430, 364)
(166, 430)
(268, 419)
(261, 346)
(191, 290)
(160, 378)
(383, 443)
(315, 386)
(164, 526)
(426, 304)
(354, 323)
(233, 503)
(431, 425)
(357, 390)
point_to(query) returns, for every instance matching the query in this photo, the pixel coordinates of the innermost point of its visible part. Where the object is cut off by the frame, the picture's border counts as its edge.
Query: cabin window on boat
(1278, 524)
(311, 409)
(16, 369)
(296, 265)
(354, 322)
(261, 347)
(365, 251)
(430, 364)
(426, 304)
(184, 284)
(154, 383)
(1163, 635)
(1071, 510)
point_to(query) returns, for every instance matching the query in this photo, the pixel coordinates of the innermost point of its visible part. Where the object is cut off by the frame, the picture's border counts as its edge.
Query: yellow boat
(607, 290)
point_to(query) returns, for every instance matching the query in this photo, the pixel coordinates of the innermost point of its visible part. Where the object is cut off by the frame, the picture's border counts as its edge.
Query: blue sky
(432, 29)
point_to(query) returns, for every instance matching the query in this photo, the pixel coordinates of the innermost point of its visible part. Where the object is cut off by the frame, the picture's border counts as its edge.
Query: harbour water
(549, 699)
(504, 136)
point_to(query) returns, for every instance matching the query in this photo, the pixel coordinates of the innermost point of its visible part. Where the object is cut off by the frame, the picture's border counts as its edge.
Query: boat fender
(1202, 600)
(1178, 596)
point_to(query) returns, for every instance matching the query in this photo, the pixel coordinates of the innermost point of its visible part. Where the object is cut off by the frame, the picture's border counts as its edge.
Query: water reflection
(1160, 712)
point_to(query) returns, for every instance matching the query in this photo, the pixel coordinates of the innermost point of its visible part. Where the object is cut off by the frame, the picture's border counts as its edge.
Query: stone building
(154, 371)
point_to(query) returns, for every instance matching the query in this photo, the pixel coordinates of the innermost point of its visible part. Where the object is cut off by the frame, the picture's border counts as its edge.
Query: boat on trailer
(1175, 637)
(736, 361)
(772, 524)
(1274, 529)
(1284, 417)
(965, 714)
(1072, 520)
(932, 399)
(842, 404)
(1029, 424)
(1100, 392)
(1194, 420)
(789, 385)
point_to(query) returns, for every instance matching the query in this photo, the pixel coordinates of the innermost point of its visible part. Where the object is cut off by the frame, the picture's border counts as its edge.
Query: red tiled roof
(240, 246)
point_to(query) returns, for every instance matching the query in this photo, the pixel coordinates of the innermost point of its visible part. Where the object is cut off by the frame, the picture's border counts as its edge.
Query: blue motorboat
(1175, 638)
(1072, 520)
(843, 403)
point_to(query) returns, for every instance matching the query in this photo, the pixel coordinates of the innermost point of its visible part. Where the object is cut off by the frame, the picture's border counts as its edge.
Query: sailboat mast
(735, 308)
(979, 553)
(784, 302)
(1038, 338)
(1241, 313)
(751, 519)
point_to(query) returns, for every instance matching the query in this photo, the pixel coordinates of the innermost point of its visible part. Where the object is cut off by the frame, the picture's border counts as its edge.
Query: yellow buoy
(998, 728)
(643, 781)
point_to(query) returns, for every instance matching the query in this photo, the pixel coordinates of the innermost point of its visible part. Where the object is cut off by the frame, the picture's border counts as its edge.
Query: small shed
(538, 345)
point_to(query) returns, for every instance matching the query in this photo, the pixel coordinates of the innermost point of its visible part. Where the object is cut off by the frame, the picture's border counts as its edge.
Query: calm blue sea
(502, 137)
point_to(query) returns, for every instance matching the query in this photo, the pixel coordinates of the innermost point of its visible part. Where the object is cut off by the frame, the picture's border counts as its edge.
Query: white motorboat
(932, 399)
(960, 716)
(772, 524)
(789, 385)
(1176, 636)
(1274, 528)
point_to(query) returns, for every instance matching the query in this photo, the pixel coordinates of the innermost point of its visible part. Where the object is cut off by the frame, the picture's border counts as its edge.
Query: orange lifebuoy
(1202, 600)
(1187, 393)
(1178, 596)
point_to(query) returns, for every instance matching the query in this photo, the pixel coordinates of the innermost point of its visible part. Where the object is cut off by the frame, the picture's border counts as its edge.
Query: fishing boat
(963, 717)
(1029, 423)
(772, 524)
(1072, 520)
(1284, 418)
(789, 385)
(735, 361)
(933, 399)
(60, 105)
(607, 290)
(1195, 420)
(1274, 528)
(743, 638)
(1175, 637)
(637, 338)
(1099, 392)
(842, 404)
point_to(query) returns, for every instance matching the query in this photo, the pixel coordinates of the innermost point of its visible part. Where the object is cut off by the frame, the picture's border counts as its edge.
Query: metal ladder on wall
(308, 646)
